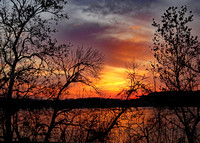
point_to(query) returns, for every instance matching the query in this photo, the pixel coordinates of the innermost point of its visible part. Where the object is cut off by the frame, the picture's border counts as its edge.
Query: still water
(104, 125)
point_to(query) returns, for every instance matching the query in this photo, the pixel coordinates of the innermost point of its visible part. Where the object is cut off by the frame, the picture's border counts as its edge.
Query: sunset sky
(120, 29)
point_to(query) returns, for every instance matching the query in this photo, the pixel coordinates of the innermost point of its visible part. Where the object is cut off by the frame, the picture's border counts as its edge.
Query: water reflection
(103, 125)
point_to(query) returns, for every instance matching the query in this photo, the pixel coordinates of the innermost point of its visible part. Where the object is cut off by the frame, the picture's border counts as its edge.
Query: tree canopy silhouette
(26, 28)
(32, 62)
(177, 53)
(176, 50)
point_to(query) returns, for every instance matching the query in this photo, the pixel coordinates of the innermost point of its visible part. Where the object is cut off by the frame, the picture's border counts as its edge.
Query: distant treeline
(172, 99)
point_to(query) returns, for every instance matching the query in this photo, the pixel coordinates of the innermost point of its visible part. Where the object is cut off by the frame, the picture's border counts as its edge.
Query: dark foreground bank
(174, 99)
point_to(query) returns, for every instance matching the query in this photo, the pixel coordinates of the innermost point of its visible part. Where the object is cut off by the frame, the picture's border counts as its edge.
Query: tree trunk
(48, 135)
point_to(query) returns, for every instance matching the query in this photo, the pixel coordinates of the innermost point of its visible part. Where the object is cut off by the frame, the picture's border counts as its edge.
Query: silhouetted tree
(177, 54)
(74, 66)
(32, 63)
(176, 50)
(152, 69)
(112, 121)
(25, 39)
(137, 83)
(26, 28)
